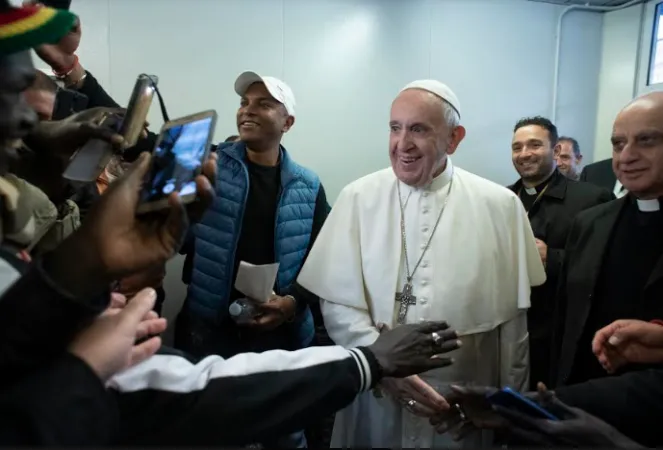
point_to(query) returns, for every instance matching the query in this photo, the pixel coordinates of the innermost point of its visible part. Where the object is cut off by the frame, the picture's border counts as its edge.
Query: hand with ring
(470, 410)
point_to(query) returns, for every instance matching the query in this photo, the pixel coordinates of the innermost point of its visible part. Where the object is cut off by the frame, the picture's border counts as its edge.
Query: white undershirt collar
(649, 205)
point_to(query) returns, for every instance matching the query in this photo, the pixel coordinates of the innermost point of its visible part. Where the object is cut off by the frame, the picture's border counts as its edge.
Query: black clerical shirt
(633, 251)
(529, 198)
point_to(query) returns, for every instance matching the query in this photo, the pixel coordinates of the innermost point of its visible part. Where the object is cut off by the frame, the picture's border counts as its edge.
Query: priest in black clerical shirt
(552, 201)
(614, 256)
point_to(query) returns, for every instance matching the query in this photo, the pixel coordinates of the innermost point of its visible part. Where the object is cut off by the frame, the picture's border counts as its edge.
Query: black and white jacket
(250, 397)
(50, 397)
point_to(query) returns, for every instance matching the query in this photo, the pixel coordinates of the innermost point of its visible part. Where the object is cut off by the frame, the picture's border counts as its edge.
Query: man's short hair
(541, 122)
(233, 138)
(44, 83)
(574, 145)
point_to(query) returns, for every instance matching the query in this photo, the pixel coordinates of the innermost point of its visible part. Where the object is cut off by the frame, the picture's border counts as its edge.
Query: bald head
(637, 144)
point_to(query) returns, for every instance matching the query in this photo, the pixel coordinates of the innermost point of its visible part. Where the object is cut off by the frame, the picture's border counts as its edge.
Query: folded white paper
(256, 282)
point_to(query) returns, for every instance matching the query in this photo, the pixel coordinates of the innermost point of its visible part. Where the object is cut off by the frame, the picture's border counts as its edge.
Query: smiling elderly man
(422, 240)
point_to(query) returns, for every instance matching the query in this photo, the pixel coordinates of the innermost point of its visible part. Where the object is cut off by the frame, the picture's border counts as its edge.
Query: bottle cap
(235, 309)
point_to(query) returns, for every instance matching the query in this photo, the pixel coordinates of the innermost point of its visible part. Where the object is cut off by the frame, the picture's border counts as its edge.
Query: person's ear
(457, 135)
(289, 122)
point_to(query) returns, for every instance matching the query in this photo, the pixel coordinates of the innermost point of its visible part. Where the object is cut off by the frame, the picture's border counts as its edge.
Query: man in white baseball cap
(425, 240)
(268, 209)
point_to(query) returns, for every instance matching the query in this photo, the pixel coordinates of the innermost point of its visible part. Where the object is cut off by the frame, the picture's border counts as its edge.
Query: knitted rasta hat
(24, 28)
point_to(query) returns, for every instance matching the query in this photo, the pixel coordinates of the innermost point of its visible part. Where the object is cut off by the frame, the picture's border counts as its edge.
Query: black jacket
(551, 219)
(62, 403)
(38, 319)
(589, 238)
(632, 403)
(600, 173)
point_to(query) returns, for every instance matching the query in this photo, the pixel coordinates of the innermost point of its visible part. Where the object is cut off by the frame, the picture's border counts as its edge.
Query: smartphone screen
(177, 159)
(511, 399)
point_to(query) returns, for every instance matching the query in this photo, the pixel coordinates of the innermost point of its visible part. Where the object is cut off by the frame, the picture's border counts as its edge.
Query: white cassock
(476, 275)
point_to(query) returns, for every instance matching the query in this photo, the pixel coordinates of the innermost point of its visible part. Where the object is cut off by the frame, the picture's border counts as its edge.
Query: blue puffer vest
(218, 233)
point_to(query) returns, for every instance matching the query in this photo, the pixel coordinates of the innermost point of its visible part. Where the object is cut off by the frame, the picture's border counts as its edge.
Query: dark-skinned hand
(428, 401)
(576, 428)
(409, 349)
(114, 242)
(272, 313)
(63, 138)
(479, 413)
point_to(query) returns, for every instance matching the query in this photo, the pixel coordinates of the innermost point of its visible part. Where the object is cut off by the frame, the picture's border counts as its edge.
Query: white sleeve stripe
(364, 369)
(362, 377)
(176, 374)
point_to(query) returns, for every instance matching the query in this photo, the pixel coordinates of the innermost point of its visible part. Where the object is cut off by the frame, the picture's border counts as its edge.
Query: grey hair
(451, 116)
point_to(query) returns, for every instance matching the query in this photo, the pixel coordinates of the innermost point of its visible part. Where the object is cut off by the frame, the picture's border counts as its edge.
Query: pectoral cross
(406, 298)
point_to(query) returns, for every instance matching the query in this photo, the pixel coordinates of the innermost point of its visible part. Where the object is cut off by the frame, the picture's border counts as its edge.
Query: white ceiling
(585, 2)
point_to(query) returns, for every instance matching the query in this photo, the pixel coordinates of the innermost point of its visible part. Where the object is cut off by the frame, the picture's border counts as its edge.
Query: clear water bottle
(242, 310)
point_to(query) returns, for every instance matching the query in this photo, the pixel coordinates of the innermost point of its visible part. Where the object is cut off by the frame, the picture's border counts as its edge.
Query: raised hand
(109, 345)
(114, 241)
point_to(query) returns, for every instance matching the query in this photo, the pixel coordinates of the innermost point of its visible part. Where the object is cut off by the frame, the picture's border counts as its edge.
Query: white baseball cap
(277, 88)
(437, 88)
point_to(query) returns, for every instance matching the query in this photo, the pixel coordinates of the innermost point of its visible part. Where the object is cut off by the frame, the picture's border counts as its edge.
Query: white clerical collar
(442, 179)
(649, 205)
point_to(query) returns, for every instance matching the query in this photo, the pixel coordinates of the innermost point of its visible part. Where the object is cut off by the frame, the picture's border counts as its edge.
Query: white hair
(451, 116)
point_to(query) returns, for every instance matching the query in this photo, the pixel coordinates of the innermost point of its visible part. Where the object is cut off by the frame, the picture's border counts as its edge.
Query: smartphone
(58, 4)
(91, 159)
(137, 109)
(508, 398)
(68, 102)
(181, 148)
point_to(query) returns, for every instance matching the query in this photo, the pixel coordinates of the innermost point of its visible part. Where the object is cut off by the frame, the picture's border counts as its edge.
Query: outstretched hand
(63, 138)
(109, 345)
(412, 349)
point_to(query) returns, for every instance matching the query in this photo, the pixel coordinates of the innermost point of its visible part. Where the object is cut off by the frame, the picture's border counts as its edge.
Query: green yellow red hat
(27, 27)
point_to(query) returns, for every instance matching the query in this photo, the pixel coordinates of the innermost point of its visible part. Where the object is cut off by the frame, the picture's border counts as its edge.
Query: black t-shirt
(256, 239)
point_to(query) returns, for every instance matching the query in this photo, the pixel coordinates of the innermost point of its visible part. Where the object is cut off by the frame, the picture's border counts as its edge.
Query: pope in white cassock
(425, 240)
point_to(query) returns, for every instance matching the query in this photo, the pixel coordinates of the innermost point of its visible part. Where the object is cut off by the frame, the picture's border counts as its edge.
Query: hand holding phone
(91, 159)
(508, 398)
(181, 149)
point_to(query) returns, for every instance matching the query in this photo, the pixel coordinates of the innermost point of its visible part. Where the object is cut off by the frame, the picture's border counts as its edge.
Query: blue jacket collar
(237, 151)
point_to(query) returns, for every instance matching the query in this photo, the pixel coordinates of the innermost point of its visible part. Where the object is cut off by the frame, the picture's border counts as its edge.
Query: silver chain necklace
(406, 298)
